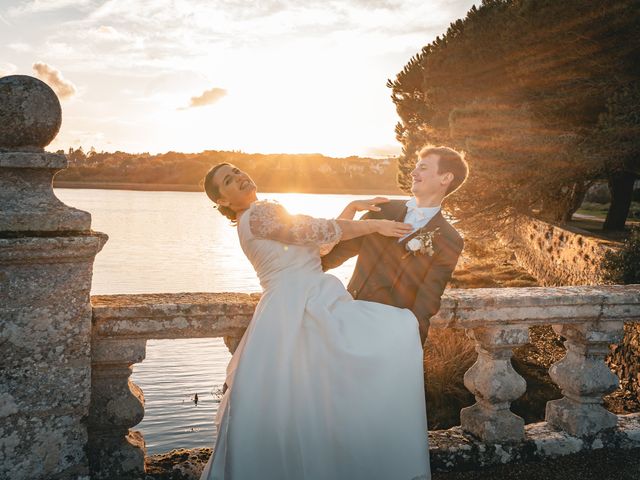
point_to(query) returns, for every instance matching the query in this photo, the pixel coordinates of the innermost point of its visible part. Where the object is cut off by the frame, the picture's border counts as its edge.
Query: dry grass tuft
(448, 355)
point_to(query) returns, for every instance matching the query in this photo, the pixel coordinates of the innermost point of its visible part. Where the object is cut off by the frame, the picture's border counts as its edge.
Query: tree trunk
(621, 188)
(575, 201)
(559, 208)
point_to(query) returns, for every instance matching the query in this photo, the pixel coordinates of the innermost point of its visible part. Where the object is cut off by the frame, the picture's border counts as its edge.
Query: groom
(413, 271)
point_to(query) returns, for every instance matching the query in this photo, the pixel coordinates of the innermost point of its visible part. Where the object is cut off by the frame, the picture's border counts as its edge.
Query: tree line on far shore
(544, 98)
(313, 173)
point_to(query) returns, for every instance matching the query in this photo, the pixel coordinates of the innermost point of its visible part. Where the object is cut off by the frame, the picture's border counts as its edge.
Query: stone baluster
(495, 385)
(116, 405)
(47, 251)
(584, 378)
(232, 342)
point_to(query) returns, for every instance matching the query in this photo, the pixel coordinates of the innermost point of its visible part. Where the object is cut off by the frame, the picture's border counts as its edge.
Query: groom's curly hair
(449, 161)
(213, 192)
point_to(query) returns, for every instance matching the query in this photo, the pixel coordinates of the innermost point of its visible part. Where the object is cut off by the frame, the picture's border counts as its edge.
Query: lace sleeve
(272, 221)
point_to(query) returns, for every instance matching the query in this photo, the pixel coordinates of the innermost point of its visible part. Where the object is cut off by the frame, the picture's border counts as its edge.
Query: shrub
(623, 266)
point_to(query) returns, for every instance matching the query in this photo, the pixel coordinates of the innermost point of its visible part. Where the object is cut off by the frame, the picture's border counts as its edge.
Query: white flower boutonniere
(421, 244)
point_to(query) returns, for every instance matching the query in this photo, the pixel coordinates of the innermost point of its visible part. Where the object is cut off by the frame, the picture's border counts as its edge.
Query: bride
(321, 386)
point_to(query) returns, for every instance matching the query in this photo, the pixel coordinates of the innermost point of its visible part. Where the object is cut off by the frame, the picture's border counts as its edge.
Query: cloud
(53, 77)
(7, 69)
(150, 36)
(208, 97)
(37, 6)
(108, 32)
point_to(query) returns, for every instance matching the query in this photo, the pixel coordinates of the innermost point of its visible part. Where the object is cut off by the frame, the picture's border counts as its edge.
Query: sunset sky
(190, 75)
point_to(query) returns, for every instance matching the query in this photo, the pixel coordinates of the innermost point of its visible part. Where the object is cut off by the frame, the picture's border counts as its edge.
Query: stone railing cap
(538, 305)
(543, 296)
(172, 315)
(183, 315)
(30, 112)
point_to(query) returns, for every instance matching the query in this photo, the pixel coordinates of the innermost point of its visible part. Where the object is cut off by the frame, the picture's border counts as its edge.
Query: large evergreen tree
(542, 97)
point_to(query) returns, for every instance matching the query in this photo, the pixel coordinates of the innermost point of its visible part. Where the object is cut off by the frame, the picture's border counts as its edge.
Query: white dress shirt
(418, 217)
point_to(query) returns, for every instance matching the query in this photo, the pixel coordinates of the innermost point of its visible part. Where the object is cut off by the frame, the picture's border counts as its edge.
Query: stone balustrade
(590, 318)
(122, 324)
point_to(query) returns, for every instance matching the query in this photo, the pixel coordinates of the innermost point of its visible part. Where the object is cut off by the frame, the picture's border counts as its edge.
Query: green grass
(594, 209)
(600, 210)
(597, 213)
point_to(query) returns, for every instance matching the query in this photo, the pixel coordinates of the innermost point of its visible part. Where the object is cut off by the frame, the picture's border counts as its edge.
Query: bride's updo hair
(213, 192)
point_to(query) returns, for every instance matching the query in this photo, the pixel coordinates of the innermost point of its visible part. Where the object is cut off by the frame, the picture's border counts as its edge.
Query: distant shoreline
(177, 187)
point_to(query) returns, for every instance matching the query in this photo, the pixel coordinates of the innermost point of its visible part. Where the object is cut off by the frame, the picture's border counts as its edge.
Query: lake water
(167, 242)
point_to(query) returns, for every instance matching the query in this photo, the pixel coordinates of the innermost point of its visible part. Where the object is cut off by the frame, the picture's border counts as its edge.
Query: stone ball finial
(30, 112)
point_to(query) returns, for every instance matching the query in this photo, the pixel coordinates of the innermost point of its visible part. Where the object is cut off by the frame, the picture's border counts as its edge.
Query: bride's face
(237, 190)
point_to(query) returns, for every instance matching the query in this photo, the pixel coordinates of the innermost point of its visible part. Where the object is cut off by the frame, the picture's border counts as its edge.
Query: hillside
(309, 173)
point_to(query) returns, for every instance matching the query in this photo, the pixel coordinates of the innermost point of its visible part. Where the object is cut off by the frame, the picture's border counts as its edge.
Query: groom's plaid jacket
(384, 272)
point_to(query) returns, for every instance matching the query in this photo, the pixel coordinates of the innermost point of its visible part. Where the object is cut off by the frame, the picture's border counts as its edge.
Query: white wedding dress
(321, 386)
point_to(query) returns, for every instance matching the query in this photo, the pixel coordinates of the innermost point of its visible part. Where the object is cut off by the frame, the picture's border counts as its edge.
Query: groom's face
(425, 177)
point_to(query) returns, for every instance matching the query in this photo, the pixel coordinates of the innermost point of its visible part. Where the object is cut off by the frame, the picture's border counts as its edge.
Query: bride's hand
(389, 228)
(370, 204)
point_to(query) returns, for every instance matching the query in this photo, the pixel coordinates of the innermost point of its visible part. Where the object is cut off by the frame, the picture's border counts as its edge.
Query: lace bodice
(284, 247)
(271, 221)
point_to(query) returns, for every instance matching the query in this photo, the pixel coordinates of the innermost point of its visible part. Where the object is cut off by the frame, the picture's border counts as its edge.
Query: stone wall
(555, 255)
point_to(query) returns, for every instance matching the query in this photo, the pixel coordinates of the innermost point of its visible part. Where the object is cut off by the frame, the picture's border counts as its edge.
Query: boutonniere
(421, 244)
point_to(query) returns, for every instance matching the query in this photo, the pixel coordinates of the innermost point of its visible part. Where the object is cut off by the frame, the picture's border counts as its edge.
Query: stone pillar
(584, 377)
(495, 385)
(116, 405)
(47, 251)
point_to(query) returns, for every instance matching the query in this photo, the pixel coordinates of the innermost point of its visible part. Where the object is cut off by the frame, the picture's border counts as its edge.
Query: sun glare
(322, 206)
(305, 203)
